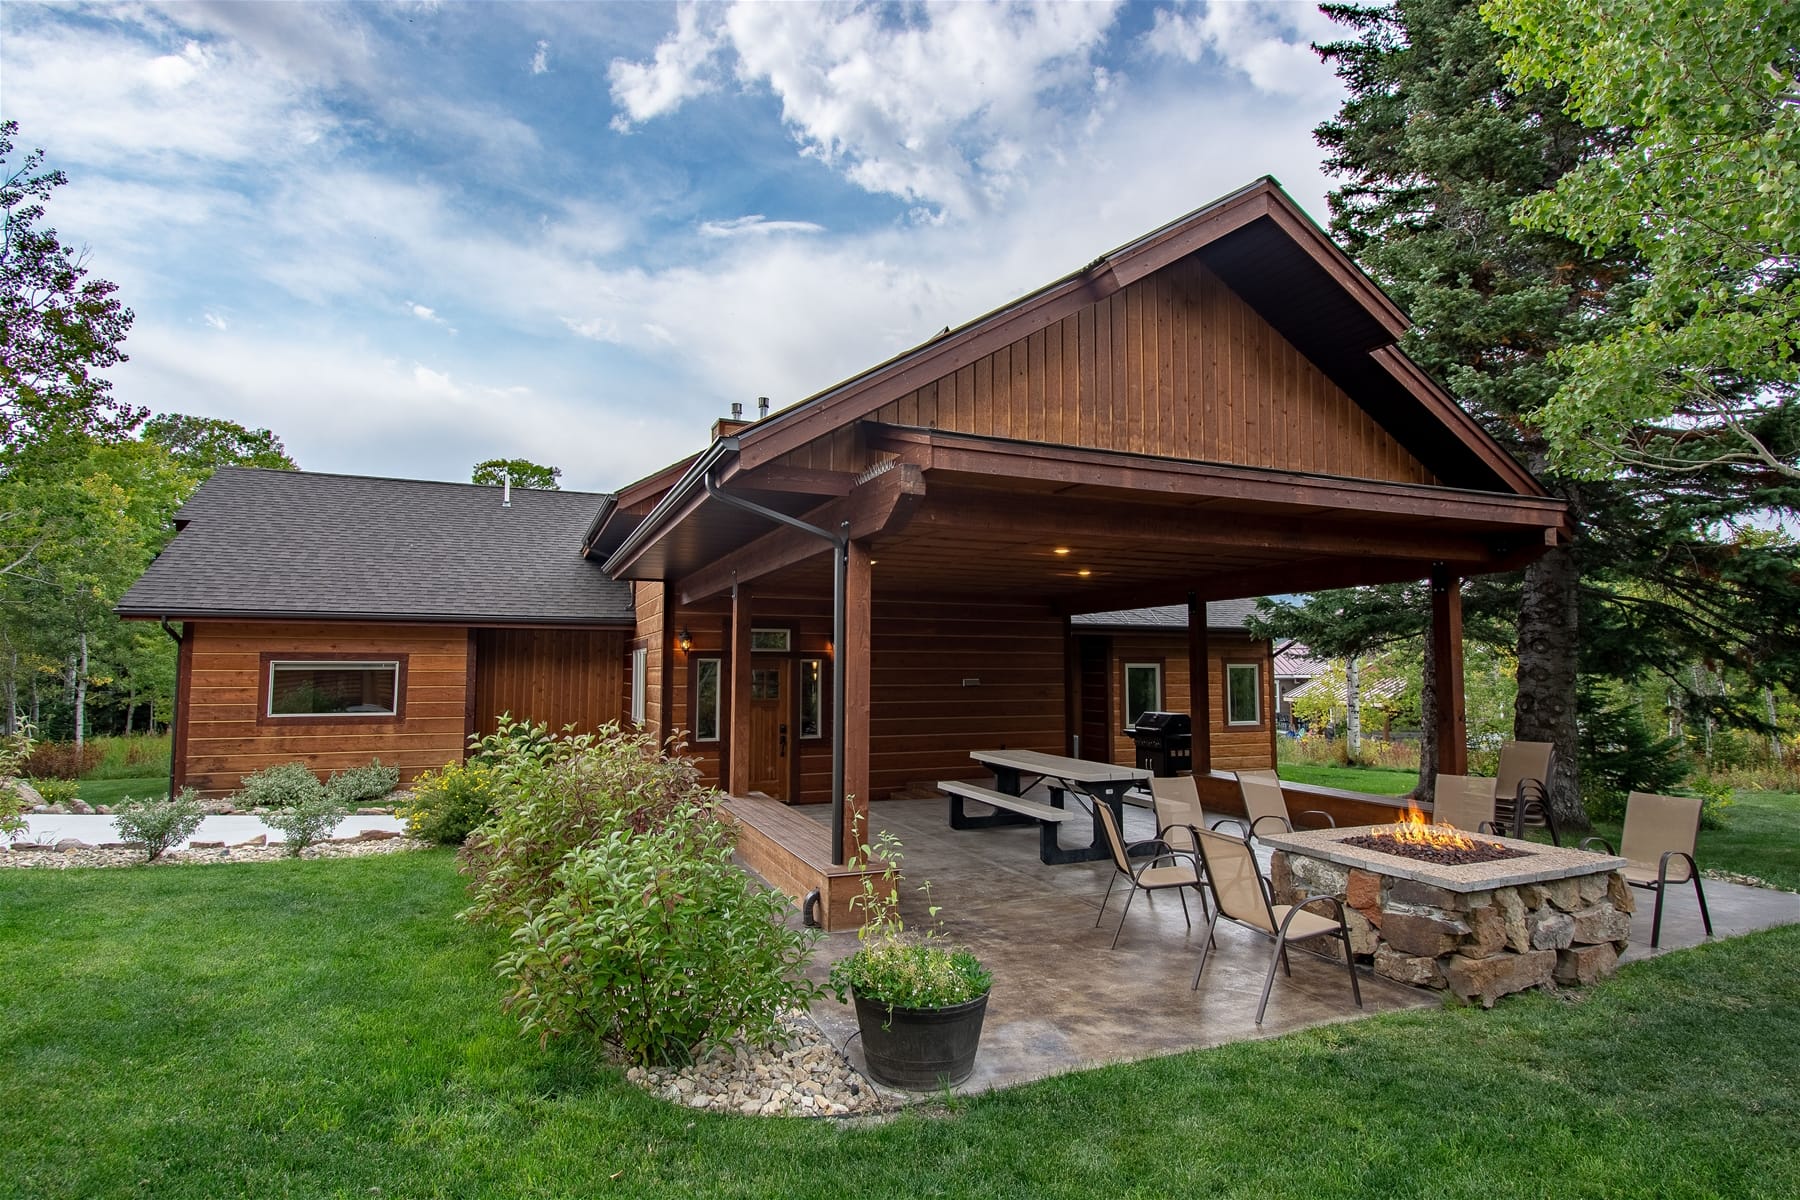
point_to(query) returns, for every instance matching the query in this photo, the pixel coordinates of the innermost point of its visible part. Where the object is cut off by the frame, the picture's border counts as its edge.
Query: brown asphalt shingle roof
(298, 544)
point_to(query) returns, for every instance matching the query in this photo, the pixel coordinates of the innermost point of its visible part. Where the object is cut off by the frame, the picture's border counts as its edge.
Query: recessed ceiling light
(1084, 572)
(1061, 550)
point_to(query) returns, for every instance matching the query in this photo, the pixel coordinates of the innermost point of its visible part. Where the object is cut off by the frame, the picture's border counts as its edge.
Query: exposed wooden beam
(738, 756)
(776, 477)
(854, 658)
(883, 504)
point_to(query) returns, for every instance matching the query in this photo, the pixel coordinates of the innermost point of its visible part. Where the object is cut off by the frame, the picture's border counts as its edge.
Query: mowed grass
(1378, 781)
(325, 1029)
(115, 791)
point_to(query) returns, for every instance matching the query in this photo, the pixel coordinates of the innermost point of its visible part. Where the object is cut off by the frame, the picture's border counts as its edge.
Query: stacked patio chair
(1265, 805)
(1241, 895)
(1657, 843)
(1170, 868)
(1178, 812)
(1466, 802)
(1522, 789)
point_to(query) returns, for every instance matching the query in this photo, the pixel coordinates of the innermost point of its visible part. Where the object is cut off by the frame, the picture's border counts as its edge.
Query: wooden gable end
(1176, 365)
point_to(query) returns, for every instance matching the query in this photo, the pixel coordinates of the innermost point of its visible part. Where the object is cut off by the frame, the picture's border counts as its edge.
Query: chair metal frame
(1121, 858)
(1661, 884)
(1528, 794)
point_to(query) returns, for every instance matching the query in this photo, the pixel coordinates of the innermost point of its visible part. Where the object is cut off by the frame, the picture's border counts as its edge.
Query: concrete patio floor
(1063, 1001)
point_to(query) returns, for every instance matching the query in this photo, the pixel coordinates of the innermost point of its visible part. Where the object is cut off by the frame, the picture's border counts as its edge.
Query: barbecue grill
(1165, 742)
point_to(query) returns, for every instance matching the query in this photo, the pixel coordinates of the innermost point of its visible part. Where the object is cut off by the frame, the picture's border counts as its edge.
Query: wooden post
(1199, 684)
(854, 661)
(1447, 653)
(738, 747)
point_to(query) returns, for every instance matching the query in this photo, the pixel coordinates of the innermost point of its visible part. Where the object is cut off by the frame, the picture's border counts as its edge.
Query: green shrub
(363, 783)
(1715, 802)
(556, 795)
(15, 748)
(156, 825)
(656, 943)
(57, 791)
(309, 821)
(1620, 754)
(286, 786)
(447, 805)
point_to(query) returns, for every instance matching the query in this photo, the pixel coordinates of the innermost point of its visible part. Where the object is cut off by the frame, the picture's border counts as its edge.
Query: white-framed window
(812, 694)
(640, 667)
(709, 688)
(333, 687)
(1143, 690)
(771, 641)
(1243, 694)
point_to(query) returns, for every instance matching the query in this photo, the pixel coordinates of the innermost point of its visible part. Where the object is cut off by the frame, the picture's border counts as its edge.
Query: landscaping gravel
(71, 852)
(809, 1077)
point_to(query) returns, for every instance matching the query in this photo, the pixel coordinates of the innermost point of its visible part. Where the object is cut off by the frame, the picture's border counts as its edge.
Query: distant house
(1294, 668)
(850, 594)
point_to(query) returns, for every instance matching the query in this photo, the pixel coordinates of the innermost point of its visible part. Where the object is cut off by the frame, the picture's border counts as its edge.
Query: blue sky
(408, 237)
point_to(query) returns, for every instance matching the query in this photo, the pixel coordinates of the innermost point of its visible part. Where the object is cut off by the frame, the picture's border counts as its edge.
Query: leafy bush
(556, 795)
(60, 760)
(447, 805)
(308, 821)
(286, 786)
(1621, 754)
(363, 783)
(15, 748)
(1715, 803)
(893, 966)
(57, 791)
(157, 825)
(656, 943)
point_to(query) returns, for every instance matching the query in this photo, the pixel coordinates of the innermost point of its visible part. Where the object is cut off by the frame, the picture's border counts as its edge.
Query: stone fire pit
(1481, 931)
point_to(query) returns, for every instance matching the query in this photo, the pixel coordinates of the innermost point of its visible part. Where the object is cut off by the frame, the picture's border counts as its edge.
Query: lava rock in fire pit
(1444, 856)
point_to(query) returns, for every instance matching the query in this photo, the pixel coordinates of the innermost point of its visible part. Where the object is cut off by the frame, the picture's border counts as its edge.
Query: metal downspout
(174, 704)
(840, 573)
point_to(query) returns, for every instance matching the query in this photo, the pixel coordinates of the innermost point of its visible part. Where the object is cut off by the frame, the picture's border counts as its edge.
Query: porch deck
(1062, 1001)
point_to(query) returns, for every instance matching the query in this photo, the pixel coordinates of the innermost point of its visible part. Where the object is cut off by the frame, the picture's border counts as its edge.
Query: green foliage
(1715, 802)
(447, 805)
(1620, 754)
(204, 444)
(1705, 185)
(129, 757)
(555, 795)
(307, 821)
(656, 943)
(157, 825)
(61, 760)
(282, 786)
(57, 791)
(356, 784)
(15, 748)
(892, 965)
(521, 471)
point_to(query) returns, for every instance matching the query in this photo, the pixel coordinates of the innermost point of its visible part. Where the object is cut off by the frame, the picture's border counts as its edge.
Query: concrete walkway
(1062, 1000)
(94, 830)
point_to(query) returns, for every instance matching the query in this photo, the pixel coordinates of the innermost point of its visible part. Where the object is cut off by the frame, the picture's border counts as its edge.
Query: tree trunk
(1353, 708)
(81, 698)
(1428, 706)
(1549, 625)
(1775, 755)
(130, 707)
(12, 695)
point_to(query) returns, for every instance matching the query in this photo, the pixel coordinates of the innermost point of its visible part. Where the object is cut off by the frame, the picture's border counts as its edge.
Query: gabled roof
(1220, 614)
(256, 543)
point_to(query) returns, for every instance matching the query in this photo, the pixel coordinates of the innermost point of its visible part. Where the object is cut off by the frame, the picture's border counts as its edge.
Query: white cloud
(428, 315)
(755, 225)
(217, 322)
(1271, 44)
(540, 59)
(943, 105)
(680, 70)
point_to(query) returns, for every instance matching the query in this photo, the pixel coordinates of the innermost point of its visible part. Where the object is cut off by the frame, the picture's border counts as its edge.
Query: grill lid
(1164, 723)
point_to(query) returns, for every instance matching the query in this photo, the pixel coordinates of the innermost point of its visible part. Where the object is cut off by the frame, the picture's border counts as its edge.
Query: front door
(770, 742)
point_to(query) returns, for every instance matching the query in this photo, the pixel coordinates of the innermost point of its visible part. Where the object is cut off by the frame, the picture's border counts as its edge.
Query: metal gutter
(694, 477)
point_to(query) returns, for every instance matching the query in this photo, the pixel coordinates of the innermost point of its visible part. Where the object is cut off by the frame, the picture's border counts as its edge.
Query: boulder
(261, 839)
(1488, 979)
(1363, 938)
(69, 844)
(1316, 877)
(1580, 966)
(1564, 893)
(1487, 932)
(1619, 893)
(377, 835)
(1422, 936)
(27, 794)
(1412, 893)
(1412, 969)
(1591, 888)
(1512, 912)
(81, 808)
(1601, 923)
(1363, 890)
(1550, 930)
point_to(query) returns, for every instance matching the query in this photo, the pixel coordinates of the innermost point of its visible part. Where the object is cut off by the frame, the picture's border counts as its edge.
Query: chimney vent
(762, 407)
(505, 487)
(737, 410)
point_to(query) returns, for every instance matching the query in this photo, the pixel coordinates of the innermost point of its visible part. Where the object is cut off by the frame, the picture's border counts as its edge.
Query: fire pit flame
(1414, 830)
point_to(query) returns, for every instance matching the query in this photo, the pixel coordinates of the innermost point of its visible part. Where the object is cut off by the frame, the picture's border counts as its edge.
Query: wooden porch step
(792, 854)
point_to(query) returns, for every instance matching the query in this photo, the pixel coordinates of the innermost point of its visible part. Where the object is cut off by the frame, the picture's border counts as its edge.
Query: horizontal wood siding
(649, 599)
(224, 693)
(558, 676)
(1176, 365)
(923, 721)
(1233, 749)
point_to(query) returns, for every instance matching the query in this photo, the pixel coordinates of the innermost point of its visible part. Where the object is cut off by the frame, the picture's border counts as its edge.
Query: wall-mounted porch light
(685, 640)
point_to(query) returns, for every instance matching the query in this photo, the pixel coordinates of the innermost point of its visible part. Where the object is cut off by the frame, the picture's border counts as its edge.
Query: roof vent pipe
(505, 488)
(762, 407)
(737, 410)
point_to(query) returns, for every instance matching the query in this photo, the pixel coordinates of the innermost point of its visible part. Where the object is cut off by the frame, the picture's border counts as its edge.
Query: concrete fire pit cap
(1541, 864)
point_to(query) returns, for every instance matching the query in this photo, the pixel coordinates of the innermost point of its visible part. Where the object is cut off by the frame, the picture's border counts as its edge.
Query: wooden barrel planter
(920, 1049)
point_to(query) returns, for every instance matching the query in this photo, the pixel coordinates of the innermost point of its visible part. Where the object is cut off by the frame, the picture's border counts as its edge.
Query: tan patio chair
(1178, 812)
(1465, 801)
(1657, 843)
(1522, 788)
(1241, 895)
(1170, 868)
(1266, 806)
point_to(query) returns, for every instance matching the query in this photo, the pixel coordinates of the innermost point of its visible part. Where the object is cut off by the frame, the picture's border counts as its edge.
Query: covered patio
(1063, 1001)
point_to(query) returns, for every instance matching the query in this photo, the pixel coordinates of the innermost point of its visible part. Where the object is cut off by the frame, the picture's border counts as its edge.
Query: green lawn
(111, 791)
(1378, 781)
(324, 1029)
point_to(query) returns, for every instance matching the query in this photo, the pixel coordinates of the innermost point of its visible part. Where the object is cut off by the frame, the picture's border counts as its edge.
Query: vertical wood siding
(652, 632)
(225, 742)
(1175, 365)
(1241, 748)
(558, 676)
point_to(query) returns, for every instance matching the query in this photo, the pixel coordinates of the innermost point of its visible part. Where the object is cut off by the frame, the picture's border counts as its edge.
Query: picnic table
(1016, 772)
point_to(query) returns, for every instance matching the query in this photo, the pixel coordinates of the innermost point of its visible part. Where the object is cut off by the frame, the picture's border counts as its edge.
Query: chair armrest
(1313, 812)
(1586, 842)
(1336, 905)
(1286, 825)
(1238, 822)
(1491, 828)
(1662, 866)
